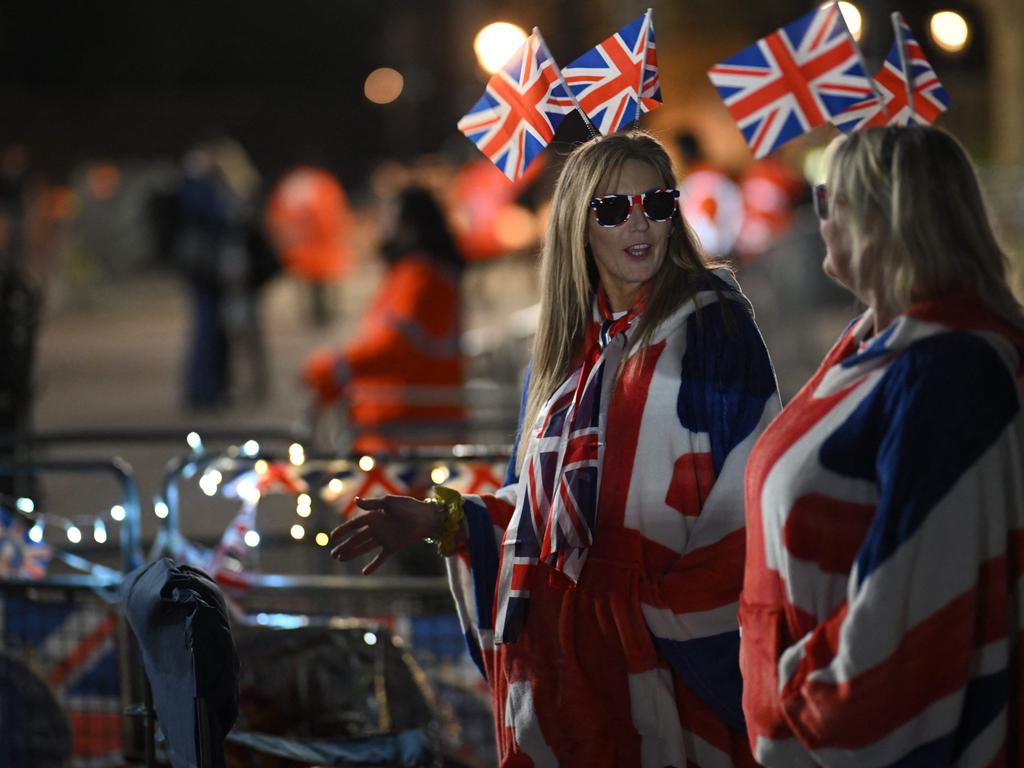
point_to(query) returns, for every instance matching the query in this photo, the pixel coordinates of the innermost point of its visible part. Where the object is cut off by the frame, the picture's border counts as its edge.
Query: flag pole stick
(646, 29)
(576, 105)
(901, 41)
(863, 64)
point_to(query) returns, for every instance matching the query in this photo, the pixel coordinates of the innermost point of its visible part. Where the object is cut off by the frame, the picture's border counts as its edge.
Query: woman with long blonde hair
(598, 589)
(885, 506)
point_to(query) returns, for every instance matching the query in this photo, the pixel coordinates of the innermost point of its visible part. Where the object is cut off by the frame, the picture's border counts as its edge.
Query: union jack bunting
(20, 557)
(475, 477)
(901, 104)
(73, 647)
(610, 80)
(793, 80)
(524, 103)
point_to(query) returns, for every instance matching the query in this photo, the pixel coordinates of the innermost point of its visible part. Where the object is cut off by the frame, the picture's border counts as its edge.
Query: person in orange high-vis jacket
(401, 376)
(309, 219)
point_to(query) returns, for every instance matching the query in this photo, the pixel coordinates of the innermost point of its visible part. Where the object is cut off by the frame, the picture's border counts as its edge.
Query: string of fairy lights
(242, 473)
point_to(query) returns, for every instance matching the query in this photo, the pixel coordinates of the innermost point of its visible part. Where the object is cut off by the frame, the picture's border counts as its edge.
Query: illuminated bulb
(99, 532)
(247, 491)
(949, 30)
(322, 539)
(160, 509)
(250, 448)
(303, 505)
(25, 505)
(370, 638)
(117, 513)
(35, 533)
(366, 463)
(336, 486)
(261, 467)
(495, 44)
(852, 17)
(298, 532)
(296, 454)
(74, 535)
(209, 482)
(439, 474)
(195, 442)
(251, 538)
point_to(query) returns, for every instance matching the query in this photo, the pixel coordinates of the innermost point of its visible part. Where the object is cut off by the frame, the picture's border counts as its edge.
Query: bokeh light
(853, 18)
(949, 30)
(495, 44)
(383, 85)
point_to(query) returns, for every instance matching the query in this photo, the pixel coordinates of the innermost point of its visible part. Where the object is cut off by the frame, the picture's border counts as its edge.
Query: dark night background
(132, 80)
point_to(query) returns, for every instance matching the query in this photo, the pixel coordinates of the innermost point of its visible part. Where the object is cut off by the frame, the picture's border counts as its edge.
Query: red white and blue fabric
(885, 516)
(20, 557)
(557, 503)
(793, 80)
(895, 108)
(634, 663)
(74, 648)
(522, 107)
(617, 80)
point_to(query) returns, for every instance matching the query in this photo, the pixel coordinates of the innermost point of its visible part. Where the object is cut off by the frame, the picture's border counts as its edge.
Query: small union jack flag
(902, 103)
(616, 80)
(524, 103)
(20, 557)
(793, 80)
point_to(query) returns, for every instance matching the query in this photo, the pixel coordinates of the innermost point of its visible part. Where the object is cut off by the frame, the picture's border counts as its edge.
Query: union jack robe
(881, 610)
(636, 663)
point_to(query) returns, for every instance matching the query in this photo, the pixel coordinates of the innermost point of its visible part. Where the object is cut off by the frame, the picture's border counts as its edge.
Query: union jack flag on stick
(911, 91)
(793, 80)
(524, 103)
(617, 80)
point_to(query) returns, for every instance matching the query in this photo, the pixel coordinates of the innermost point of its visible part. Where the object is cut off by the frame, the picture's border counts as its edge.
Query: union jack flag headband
(811, 72)
(526, 100)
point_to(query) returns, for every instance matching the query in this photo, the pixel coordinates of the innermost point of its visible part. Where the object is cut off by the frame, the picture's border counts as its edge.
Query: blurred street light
(852, 17)
(383, 85)
(495, 43)
(949, 30)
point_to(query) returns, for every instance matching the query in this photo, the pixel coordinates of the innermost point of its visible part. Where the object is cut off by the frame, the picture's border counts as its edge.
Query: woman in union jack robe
(881, 610)
(598, 589)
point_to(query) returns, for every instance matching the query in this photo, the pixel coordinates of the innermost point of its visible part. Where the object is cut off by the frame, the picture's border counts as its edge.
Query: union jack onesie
(605, 621)
(881, 610)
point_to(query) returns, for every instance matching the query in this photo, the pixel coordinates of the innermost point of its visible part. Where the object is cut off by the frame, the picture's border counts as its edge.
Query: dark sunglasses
(820, 198)
(613, 210)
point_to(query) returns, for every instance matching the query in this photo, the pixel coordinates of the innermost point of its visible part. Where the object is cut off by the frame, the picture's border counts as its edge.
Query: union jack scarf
(556, 508)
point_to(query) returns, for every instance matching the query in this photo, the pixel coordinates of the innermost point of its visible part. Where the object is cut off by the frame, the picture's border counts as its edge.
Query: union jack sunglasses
(614, 210)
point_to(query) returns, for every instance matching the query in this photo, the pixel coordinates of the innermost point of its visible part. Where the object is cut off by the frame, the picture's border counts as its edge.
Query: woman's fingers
(374, 564)
(351, 550)
(351, 527)
(371, 504)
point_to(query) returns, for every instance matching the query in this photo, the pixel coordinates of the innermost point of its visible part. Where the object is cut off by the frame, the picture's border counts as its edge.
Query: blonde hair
(914, 194)
(568, 274)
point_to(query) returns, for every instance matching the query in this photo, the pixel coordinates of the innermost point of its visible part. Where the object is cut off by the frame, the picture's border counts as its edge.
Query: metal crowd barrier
(61, 645)
(64, 644)
(415, 609)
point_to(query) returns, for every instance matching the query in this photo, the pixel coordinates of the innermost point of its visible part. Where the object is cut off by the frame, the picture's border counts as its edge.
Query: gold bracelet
(449, 522)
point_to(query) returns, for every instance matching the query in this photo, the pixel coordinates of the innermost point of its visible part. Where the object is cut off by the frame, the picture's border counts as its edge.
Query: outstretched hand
(391, 523)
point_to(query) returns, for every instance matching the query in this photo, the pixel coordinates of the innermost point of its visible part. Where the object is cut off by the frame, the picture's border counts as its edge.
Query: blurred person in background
(709, 198)
(401, 376)
(598, 588)
(309, 219)
(885, 505)
(224, 257)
